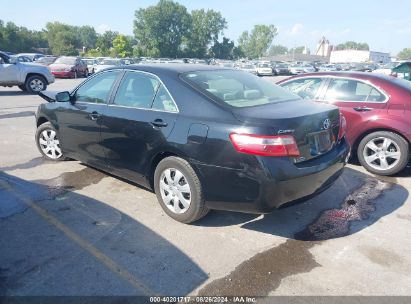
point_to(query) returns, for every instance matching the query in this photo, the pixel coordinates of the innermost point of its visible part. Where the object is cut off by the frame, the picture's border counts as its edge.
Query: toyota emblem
(326, 124)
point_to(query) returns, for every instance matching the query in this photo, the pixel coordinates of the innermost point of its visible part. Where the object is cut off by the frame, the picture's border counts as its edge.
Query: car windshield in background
(46, 60)
(263, 65)
(66, 60)
(238, 89)
(111, 62)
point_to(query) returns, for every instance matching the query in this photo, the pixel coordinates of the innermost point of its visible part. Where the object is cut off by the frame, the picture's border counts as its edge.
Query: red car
(69, 67)
(377, 109)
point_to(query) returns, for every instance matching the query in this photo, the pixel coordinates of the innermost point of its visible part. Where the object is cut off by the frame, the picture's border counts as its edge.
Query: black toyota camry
(201, 137)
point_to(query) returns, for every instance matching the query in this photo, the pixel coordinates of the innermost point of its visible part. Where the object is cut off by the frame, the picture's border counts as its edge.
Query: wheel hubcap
(37, 85)
(49, 144)
(382, 153)
(175, 190)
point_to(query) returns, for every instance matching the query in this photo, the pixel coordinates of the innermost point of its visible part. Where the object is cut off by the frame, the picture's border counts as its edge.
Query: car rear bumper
(271, 183)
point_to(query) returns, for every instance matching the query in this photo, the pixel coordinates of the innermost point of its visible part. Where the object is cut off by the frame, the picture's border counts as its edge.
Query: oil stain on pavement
(263, 273)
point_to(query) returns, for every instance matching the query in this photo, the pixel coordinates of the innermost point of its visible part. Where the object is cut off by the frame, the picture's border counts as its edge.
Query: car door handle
(362, 109)
(94, 115)
(159, 123)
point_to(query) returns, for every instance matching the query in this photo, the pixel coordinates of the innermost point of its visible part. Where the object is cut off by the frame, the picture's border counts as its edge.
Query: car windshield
(281, 66)
(110, 62)
(88, 61)
(263, 65)
(237, 89)
(66, 60)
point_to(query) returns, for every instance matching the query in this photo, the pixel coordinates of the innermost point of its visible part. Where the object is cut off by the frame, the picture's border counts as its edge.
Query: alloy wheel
(36, 85)
(382, 153)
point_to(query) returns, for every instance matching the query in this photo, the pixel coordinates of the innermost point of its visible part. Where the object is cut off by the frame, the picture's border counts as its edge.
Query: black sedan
(201, 137)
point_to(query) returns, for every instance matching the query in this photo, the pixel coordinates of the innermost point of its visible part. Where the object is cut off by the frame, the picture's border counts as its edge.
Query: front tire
(35, 84)
(179, 190)
(48, 143)
(383, 153)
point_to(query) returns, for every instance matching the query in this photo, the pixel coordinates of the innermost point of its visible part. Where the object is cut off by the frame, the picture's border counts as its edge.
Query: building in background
(359, 56)
(324, 48)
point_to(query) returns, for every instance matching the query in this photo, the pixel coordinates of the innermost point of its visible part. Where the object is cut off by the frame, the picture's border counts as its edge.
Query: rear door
(306, 87)
(137, 124)
(358, 100)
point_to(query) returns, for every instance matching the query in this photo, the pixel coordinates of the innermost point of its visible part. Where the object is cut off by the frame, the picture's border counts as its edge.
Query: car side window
(137, 90)
(97, 89)
(352, 90)
(163, 101)
(306, 88)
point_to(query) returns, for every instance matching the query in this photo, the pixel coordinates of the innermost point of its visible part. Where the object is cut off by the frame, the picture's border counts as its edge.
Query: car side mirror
(63, 96)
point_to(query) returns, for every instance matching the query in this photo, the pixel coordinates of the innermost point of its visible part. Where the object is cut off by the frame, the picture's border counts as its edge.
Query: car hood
(60, 66)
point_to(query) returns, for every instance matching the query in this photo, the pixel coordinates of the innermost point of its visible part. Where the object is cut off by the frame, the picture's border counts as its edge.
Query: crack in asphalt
(263, 273)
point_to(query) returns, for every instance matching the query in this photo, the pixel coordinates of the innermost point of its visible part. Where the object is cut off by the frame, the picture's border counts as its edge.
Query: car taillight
(343, 127)
(278, 145)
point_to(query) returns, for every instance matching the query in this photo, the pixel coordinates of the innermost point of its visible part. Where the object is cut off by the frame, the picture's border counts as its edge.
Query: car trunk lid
(314, 126)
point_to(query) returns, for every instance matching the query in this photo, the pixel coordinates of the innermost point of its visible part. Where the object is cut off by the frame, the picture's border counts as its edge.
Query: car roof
(359, 75)
(170, 68)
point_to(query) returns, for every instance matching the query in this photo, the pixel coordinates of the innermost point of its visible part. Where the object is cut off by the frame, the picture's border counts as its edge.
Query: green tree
(297, 50)
(206, 26)
(404, 54)
(238, 53)
(19, 39)
(352, 45)
(255, 44)
(87, 36)
(104, 42)
(222, 50)
(62, 39)
(277, 50)
(159, 29)
(122, 46)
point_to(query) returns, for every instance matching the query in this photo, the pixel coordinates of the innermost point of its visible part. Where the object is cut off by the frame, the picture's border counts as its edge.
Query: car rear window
(237, 88)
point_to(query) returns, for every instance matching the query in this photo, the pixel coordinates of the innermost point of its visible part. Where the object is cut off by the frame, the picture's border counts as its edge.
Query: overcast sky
(384, 24)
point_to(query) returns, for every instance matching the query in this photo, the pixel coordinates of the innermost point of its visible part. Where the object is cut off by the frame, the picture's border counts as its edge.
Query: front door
(80, 121)
(137, 124)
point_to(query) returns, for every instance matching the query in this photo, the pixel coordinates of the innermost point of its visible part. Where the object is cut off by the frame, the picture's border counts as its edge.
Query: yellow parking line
(113, 266)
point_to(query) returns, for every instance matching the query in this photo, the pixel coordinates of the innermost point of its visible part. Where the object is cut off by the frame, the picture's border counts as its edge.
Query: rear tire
(179, 190)
(383, 153)
(35, 84)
